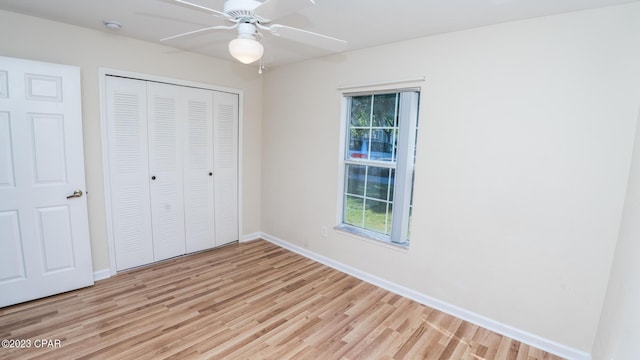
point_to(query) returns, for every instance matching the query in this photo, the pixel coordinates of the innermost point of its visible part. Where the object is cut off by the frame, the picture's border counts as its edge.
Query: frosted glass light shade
(245, 50)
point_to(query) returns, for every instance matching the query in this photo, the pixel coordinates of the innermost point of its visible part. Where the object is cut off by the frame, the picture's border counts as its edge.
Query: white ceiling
(363, 23)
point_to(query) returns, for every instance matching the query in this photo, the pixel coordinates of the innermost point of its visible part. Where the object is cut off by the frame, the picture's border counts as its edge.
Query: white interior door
(166, 109)
(126, 111)
(225, 135)
(198, 169)
(173, 168)
(44, 228)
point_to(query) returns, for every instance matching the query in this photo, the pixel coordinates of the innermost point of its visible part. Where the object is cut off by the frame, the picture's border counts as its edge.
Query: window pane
(378, 183)
(353, 207)
(394, 136)
(361, 111)
(356, 179)
(382, 143)
(389, 218)
(375, 215)
(413, 177)
(393, 175)
(358, 144)
(384, 110)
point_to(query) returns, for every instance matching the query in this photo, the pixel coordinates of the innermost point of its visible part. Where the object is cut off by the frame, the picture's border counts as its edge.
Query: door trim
(102, 74)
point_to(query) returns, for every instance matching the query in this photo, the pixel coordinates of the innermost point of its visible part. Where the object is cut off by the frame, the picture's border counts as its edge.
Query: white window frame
(404, 166)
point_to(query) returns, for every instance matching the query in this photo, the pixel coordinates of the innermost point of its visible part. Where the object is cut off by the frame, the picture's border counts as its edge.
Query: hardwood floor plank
(245, 301)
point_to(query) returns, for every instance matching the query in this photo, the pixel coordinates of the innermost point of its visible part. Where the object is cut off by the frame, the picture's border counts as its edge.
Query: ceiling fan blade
(201, 8)
(199, 31)
(308, 37)
(273, 9)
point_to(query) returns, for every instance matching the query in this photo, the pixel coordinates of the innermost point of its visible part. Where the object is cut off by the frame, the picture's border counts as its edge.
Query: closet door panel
(129, 171)
(165, 106)
(198, 170)
(225, 135)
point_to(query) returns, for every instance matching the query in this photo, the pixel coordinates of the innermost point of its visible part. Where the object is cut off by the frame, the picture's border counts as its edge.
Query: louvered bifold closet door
(126, 112)
(166, 113)
(198, 170)
(225, 135)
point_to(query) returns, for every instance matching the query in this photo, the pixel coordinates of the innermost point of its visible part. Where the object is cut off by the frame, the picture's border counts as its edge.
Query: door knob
(77, 193)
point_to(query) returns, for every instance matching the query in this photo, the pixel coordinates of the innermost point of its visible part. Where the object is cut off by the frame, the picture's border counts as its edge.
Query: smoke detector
(112, 25)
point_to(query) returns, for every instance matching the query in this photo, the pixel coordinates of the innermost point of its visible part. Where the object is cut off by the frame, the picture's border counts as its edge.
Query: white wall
(619, 329)
(41, 40)
(526, 135)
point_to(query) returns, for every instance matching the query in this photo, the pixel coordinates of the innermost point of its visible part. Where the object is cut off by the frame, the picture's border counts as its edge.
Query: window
(379, 163)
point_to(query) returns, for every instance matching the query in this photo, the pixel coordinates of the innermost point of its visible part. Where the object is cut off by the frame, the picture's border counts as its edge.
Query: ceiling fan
(249, 17)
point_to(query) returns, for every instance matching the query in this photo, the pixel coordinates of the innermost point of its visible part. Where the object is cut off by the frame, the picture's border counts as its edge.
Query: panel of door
(44, 228)
(126, 112)
(198, 170)
(167, 108)
(225, 135)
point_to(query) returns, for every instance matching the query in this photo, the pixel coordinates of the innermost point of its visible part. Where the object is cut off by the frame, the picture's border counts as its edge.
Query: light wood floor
(245, 301)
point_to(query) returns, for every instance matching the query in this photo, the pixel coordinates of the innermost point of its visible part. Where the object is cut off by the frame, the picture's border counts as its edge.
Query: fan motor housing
(240, 8)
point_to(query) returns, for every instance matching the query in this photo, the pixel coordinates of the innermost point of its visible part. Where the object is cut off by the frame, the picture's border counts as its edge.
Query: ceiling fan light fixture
(246, 50)
(249, 16)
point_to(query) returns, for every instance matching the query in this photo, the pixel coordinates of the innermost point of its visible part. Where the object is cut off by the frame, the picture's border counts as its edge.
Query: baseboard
(487, 323)
(250, 237)
(101, 274)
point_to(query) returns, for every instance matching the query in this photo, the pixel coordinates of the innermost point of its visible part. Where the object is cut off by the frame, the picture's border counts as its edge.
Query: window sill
(372, 237)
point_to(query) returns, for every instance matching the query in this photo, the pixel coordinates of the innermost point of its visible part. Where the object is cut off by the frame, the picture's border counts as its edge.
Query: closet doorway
(171, 169)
